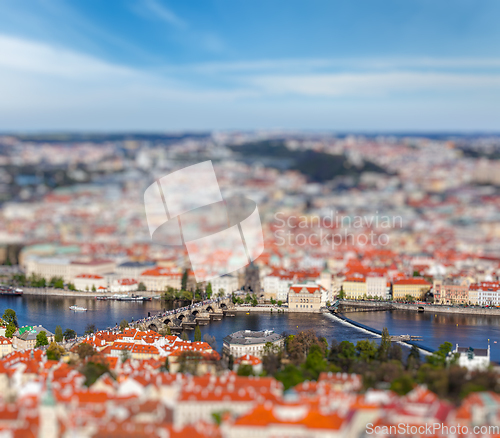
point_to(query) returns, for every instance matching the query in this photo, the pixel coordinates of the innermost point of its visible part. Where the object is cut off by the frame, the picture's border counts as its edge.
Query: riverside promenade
(353, 306)
(49, 291)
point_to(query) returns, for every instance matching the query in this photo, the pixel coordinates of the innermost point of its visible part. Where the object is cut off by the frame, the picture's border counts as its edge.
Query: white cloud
(47, 87)
(155, 9)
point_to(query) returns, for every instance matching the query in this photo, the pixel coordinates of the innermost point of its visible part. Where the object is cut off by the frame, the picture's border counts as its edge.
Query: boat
(78, 308)
(5, 290)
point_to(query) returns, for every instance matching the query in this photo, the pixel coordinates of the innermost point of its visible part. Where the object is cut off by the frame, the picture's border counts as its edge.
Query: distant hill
(317, 166)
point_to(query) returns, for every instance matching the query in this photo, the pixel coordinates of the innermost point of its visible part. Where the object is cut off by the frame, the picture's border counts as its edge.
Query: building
(89, 282)
(5, 346)
(49, 267)
(486, 293)
(305, 297)
(474, 359)
(227, 283)
(354, 287)
(250, 360)
(124, 285)
(276, 286)
(25, 337)
(361, 286)
(133, 269)
(250, 342)
(415, 287)
(158, 279)
(451, 291)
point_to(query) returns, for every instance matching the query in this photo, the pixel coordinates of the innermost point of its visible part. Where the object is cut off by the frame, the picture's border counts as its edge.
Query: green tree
(385, 345)
(169, 332)
(71, 286)
(59, 284)
(54, 351)
(315, 362)
(197, 334)
(280, 303)
(245, 370)
(69, 334)
(92, 371)
(367, 350)
(10, 330)
(41, 339)
(438, 358)
(184, 336)
(341, 295)
(184, 280)
(209, 290)
(141, 287)
(123, 324)
(254, 301)
(290, 376)
(58, 334)
(10, 317)
(93, 288)
(402, 385)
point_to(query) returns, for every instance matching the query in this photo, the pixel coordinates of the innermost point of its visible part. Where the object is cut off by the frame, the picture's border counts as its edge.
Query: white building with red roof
(88, 282)
(250, 360)
(305, 297)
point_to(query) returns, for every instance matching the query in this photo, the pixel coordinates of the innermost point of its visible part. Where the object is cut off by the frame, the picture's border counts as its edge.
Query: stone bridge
(191, 316)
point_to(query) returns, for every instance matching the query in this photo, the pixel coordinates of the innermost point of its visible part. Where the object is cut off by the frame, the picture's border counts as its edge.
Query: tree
(93, 370)
(280, 303)
(10, 317)
(188, 362)
(341, 295)
(58, 334)
(59, 284)
(184, 336)
(197, 334)
(254, 301)
(93, 288)
(141, 287)
(69, 334)
(245, 370)
(208, 291)
(210, 340)
(123, 324)
(90, 329)
(124, 355)
(385, 345)
(85, 350)
(184, 279)
(54, 351)
(71, 286)
(10, 330)
(290, 376)
(402, 385)
(438, 358)
(169, 332)
(315, 362)
(41, 339)
(367, 350)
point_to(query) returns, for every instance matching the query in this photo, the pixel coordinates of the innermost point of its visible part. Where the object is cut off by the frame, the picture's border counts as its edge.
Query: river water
(471, 331)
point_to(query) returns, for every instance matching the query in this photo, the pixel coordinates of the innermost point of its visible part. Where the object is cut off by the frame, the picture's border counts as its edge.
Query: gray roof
(136, 264)
(249, 337)
(476, 351)
(30, 335)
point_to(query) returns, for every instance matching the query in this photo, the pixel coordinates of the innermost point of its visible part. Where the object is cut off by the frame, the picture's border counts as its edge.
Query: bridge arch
(195, 312)
(223, 305)
(166, 321)
(153, 327)
(210, 309)
(181, 316)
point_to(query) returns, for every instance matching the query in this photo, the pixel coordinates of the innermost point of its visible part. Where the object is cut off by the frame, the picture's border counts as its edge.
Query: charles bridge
(187, 318)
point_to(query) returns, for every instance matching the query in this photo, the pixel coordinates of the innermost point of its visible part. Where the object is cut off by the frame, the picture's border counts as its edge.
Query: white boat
(78, 308)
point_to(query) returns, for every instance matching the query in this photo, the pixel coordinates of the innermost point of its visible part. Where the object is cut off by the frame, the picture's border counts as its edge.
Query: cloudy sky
(158, 65)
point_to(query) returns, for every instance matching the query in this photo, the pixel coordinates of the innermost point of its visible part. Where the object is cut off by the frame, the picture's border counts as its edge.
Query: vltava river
(471, 331)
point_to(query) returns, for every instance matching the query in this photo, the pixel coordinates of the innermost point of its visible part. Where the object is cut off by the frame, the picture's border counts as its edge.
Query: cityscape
(221, 219)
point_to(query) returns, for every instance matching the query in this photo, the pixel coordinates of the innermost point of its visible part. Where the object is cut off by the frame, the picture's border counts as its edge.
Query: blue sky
(161, 65)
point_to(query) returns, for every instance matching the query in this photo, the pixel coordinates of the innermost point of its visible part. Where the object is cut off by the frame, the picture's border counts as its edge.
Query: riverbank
(49, 292)
(267, 309)
(343, 320)
(429, 308)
